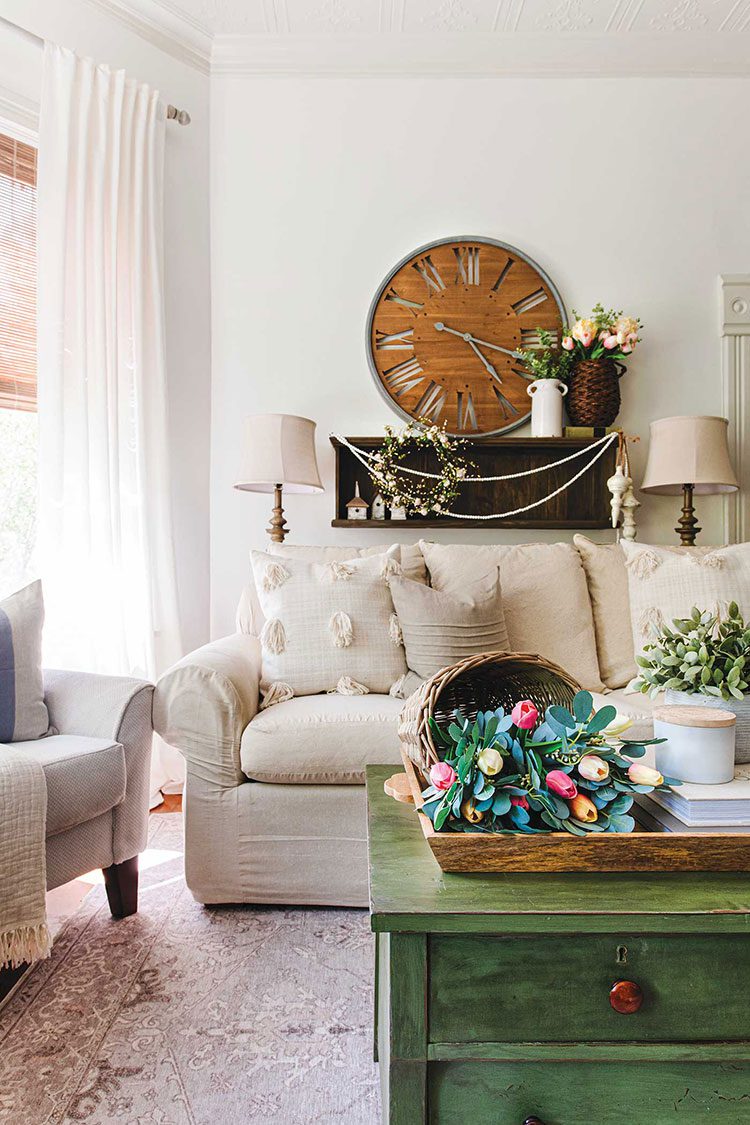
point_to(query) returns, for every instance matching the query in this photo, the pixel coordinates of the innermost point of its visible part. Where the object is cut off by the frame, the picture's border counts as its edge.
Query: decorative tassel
(273, 636)
(390, 567)
(348, 686)
(644, 564)
(278, 692)
(651, 621)
(711, 560)
(25, 943)
(338, 571)
(397, 688)
(274, 576)
(341, 629)
(394, 630)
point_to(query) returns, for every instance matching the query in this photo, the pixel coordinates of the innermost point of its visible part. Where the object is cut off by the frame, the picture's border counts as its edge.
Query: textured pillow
(545, 598)
(666, 582)
(329, 626)
(607, 580)
(249, 614)
(23, 713)
(439, 629)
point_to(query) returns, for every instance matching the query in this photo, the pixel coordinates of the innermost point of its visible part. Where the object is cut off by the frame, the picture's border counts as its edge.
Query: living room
(350, 352)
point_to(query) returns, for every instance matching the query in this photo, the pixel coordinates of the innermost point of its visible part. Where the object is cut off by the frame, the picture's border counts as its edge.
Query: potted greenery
(702, 660)
(550, 368)
(600, 345)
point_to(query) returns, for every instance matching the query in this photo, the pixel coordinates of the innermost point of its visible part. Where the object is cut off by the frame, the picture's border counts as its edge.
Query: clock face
(445, 328)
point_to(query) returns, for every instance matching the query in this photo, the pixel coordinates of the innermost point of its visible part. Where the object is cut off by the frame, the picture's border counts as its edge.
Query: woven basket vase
(479, 683)
(594, 395)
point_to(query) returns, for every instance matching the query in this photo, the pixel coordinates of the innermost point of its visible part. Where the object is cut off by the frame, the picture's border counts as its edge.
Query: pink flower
(524, 714)
(559, 782)
(593, 768)
(520, 801)
(585, 331)
(567, 343)
(644, 775)
(442, 775)
(626, 349)
(610, 342)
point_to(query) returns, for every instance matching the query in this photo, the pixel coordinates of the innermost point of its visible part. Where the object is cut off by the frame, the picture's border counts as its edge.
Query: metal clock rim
(404, 261)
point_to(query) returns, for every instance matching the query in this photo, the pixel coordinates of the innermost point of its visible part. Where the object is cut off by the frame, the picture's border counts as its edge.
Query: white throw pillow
(545, 598)
(666, 582)
(326, 623)
(607, 580)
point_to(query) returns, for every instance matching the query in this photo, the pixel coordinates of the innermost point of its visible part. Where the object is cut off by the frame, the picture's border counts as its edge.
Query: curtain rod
(181, 116)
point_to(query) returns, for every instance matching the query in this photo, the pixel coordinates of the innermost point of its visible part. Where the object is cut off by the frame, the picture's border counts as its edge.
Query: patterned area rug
(183, 1015)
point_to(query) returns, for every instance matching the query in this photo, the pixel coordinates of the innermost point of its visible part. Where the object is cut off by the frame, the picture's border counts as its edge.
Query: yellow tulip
(470, 812)
(490, 761)
(583, 809)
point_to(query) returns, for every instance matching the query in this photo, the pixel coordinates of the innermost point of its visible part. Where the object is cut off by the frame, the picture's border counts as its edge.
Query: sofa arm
(203, 704)
(119, 708)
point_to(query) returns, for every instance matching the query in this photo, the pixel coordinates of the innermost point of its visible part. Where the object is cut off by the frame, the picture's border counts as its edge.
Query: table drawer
(487, 1093)
(484, 988)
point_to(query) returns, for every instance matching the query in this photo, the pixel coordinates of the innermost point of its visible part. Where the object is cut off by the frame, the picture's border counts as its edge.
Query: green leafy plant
(515, 773)
(701, 654)
(547, 361)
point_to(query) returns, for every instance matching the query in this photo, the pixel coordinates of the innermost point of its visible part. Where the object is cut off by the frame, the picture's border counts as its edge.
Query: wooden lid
(695, 716)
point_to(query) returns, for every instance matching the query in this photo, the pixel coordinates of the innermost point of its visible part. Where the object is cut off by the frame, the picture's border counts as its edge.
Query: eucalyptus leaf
(583, 704)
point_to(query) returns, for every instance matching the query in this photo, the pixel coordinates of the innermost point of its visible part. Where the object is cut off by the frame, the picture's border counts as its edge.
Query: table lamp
(279, 451)
(689, 455)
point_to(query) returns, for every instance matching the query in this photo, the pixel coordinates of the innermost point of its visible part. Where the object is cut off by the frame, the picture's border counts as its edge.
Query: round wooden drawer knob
(626, 997)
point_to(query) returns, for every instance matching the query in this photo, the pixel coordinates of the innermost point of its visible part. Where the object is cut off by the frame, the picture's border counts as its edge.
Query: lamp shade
(279, 449)
(689, 449)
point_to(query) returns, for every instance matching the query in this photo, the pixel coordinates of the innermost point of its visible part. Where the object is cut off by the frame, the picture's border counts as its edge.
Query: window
(18, 429)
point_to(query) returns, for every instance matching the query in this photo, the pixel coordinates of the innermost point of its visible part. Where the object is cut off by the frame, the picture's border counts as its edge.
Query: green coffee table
(493, 991)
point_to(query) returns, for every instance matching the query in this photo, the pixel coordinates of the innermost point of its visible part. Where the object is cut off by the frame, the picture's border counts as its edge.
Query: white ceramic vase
(739, 707)
(546, 407)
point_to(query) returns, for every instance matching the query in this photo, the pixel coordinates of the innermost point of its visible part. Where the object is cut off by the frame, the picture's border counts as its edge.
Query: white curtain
(105, 551)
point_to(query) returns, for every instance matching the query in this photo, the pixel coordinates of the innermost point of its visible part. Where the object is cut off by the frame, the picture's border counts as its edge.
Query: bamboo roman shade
(17, 275)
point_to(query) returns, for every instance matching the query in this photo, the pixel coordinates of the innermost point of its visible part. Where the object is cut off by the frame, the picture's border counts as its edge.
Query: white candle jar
(699, 746)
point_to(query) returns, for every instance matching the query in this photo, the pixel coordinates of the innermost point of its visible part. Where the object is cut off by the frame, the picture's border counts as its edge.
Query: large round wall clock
(445, 329)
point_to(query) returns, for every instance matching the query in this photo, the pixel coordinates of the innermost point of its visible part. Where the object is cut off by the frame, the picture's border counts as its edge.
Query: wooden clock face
(445, 328)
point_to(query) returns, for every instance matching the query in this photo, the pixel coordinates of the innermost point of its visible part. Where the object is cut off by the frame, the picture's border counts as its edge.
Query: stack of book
(699, 808)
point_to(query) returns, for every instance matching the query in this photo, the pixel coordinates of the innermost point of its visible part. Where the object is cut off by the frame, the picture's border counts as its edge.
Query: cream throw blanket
(24, 935)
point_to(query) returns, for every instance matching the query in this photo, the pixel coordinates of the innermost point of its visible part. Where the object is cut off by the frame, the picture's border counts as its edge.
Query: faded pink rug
(183, 1015)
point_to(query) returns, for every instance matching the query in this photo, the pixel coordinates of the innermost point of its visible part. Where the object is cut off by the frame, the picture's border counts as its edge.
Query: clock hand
(505, 404)
(440, 327)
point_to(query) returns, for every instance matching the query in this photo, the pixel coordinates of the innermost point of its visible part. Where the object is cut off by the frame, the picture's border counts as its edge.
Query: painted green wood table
(496, 1001)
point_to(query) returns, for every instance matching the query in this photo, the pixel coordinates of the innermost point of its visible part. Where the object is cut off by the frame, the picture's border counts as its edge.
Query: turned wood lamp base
(277, 528)
(687, 528)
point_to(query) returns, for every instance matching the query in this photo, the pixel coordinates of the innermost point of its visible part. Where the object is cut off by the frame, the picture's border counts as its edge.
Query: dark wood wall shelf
(582, 507)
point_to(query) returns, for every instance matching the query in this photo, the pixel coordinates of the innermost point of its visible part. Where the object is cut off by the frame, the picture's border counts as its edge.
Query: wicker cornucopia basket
(479, 683)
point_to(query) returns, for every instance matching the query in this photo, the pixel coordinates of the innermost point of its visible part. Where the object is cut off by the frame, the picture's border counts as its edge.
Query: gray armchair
(97, 772)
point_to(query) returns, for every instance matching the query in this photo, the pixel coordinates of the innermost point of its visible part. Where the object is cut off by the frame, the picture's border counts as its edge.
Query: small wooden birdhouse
(378, 507)
(356, 509)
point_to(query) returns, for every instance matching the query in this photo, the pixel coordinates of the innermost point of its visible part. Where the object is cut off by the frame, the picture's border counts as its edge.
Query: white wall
(629, 191)
(90, 31)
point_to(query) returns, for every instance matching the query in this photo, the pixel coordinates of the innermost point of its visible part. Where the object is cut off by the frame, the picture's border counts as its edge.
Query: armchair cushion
(85, 777)
(23, 714)
(322, 739)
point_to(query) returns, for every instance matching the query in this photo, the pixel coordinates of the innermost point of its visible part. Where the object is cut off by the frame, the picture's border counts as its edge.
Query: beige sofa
(274, 799)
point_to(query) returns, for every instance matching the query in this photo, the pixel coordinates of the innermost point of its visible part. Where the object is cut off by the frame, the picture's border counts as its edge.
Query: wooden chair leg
(121, 882)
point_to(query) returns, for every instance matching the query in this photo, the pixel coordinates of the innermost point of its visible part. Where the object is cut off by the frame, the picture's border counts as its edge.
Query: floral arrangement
(515, 773)
(547, 361)
(701, 654)
(421, 495)
(605, 333)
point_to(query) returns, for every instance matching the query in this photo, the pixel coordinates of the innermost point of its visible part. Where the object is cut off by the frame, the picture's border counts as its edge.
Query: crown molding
(20, 112)
(484, 54)
(173, 32)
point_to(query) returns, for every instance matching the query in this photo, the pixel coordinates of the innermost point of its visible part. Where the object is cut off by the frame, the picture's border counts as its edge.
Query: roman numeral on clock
(432, 403)
(465, 412)
(395, 341)
(502, 275)
(429, 275)
(404, 376)
(396, 298)
(526, 304)
(530, 338)
(467, 258)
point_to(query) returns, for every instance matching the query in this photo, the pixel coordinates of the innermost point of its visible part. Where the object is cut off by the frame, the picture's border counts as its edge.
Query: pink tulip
(626, 349)
(524, 714)
(567, 343)
(644, 775)
(442, 775)
(521, 802)
(593, 768)
(559, 782)
(610, 342)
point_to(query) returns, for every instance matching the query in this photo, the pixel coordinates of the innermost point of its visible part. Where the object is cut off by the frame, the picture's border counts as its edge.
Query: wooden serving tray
(598, 851)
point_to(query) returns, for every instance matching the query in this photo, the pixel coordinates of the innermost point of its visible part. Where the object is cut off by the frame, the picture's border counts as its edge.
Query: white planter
(738, 707)
(546, 407)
